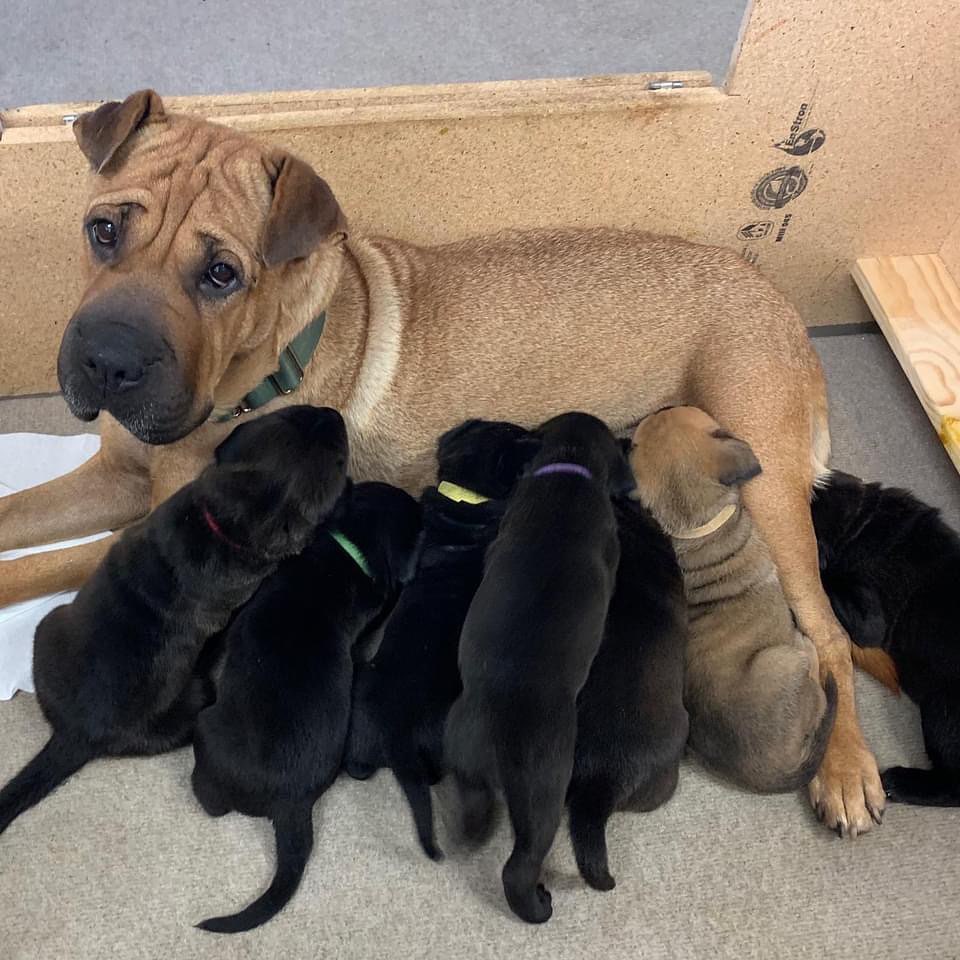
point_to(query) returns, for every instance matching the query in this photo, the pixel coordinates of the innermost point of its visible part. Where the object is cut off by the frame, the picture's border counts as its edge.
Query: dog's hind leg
(535, 779)
(923, 788)
(786, 428)
(590, 808)
(175, 727)
(939, 787)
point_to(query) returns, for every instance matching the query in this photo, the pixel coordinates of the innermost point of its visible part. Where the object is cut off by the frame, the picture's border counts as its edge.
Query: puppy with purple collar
(528, 642)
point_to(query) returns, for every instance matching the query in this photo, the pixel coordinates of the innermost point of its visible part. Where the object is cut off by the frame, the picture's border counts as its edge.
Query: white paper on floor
(27, 459)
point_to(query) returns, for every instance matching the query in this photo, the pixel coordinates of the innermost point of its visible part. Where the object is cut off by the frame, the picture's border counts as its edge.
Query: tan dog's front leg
(107, 492)
(846, 792)
(50, 572)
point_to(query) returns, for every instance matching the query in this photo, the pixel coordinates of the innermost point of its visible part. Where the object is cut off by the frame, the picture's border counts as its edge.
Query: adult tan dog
(757, 710)
(208, 253)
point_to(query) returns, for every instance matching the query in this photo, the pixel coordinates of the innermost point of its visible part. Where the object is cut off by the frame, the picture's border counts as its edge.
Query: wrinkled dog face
(194, 235)
(688, 467)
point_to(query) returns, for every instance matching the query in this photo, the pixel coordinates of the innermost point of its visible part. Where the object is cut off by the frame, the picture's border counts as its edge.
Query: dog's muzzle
(113, 357)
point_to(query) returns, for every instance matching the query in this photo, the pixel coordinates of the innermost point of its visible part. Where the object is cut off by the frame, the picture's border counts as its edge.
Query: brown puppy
(207, 253)
(757, 711)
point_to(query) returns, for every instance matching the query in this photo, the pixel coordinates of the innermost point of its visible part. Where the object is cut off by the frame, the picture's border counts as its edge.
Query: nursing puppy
(890, 566)
(631, 723)
(114, 669)
(757, 710)
(529, 638)
(402, 696)
(273, 741)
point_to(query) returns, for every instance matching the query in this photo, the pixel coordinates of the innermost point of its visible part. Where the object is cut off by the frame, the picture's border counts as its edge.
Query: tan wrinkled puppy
(757, 711)
(207, 257)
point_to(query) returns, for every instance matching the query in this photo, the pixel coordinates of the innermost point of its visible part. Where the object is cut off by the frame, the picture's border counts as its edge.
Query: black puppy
(529, 639)
(115, 669)
(402, 696)
(273, 741)
(631, 723)
(890, 566)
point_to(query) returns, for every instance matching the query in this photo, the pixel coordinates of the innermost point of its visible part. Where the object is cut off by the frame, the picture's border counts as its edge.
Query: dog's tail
(293, 829)
(803, 774)
(58, 760)
(589, 812)
(417, 791)
(878, 664)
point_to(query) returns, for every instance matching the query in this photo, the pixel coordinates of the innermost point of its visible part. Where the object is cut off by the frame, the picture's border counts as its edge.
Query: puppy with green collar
(758, 713)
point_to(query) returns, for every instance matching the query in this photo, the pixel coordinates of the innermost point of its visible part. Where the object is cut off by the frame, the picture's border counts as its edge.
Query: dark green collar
(285, 379)
(352, 551)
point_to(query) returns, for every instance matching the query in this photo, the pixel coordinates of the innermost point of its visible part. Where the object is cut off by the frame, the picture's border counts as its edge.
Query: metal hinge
(666, 85)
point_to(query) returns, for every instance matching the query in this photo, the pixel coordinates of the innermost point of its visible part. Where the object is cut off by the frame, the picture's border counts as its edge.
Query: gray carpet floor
(120, 862)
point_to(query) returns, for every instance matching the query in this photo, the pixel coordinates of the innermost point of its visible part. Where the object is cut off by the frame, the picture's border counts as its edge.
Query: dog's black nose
(113, 359)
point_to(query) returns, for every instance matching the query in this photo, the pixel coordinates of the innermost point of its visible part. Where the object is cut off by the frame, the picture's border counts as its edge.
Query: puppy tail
(293, 829)
(417, 791)
(818, 744)
(878, 664)
(588, 833)
(58, 760)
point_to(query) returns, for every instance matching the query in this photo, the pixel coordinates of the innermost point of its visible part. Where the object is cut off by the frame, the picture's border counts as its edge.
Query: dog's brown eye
(104, 233)
(220, 275)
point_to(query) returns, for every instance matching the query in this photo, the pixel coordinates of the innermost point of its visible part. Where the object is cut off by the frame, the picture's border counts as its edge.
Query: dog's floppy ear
(102, 132)
(303, 214)
(735, 462)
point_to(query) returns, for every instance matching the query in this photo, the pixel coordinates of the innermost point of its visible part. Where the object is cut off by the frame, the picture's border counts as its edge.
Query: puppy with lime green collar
(273, 741)
(758, 713)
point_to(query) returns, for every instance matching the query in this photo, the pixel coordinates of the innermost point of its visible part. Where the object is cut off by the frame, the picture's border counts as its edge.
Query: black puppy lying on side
(273, 741)
(115, 669)
(529, 639)
(631, 723)
(402, 696)
(890, 567)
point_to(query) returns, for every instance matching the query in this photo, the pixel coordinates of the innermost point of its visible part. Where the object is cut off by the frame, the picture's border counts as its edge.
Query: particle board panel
(828, 143)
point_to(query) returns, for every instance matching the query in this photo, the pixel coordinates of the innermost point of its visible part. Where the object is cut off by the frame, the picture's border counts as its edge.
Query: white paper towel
(27, 459)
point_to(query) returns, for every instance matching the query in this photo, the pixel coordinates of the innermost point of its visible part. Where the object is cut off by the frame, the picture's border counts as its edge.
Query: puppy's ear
(102, 132)
(621, 480)
(235, 448)
(304, 213)
(735, 462)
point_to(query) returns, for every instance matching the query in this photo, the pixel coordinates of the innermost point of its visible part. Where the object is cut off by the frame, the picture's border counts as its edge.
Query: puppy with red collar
(116, 669)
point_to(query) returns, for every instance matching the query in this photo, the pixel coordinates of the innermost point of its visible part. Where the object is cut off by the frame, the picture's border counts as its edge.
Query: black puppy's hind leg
(922, 788)
(293, 829)
(175, 727)
(417, 791)
(58, 760)
(535, 777)
(590, 808)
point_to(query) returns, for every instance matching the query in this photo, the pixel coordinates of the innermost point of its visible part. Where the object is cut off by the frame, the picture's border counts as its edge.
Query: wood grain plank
(916, 302)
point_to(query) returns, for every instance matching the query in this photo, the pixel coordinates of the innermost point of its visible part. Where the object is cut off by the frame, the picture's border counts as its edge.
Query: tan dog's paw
(846, 792)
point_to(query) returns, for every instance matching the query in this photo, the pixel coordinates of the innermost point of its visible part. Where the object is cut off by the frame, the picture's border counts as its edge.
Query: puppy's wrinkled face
(195, 238)
(688, 467)
(486, 456)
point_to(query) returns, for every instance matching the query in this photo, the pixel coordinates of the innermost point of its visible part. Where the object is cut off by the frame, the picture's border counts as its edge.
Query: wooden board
(725, 166)
(916, 302)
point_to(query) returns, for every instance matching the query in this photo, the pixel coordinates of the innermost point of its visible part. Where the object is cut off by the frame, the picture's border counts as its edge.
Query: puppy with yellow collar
(758, 713)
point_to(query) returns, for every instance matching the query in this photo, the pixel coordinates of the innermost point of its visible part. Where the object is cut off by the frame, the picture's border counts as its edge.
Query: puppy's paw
(846, 792)
(601, 881)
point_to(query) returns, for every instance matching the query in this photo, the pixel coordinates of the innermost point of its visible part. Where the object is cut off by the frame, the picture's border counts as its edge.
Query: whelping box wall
(834, 137)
